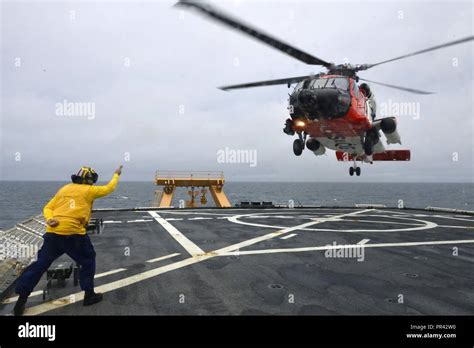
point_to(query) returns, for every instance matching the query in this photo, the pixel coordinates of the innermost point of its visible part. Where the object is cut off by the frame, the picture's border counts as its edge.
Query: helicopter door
(361, 100)
(368, 109)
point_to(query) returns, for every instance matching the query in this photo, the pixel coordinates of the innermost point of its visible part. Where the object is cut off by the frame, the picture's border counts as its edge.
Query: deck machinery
(198, 183)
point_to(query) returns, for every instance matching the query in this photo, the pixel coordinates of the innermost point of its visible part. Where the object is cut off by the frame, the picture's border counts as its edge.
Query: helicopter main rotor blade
(412, 90)
(447, 44)
(256, 34)
(288, 80)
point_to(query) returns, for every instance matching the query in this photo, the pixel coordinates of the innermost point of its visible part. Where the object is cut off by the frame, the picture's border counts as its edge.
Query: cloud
(151, 72)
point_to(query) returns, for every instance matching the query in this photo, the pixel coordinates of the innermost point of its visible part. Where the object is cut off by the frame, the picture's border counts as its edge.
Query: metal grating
(18, 247)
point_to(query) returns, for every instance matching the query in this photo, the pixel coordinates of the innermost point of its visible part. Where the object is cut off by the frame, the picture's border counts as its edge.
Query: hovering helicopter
(329, 110)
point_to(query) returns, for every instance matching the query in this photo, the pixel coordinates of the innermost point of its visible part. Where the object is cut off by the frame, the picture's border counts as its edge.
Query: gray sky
(141, 63)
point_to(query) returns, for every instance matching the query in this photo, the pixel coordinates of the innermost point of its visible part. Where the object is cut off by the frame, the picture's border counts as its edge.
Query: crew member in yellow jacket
(67, 216)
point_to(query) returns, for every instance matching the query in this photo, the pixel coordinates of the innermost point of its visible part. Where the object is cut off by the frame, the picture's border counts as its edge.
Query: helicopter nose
(327, 99)
(307, 98)
(319, 102)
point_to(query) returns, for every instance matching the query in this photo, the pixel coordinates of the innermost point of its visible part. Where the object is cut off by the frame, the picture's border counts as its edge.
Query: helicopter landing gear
(298, 147)
(289, 127)
(368, 146)
(354, 169)
(298, 144)
(371, 139)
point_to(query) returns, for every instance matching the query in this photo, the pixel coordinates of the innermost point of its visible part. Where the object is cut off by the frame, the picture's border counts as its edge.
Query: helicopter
(329, 110)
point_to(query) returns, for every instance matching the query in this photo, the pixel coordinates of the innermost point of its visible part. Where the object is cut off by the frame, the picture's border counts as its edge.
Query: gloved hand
(119, 170)
(52, 222)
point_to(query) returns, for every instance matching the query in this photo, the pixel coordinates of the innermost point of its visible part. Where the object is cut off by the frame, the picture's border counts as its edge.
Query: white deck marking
(281, 231)
(327, 247)
(112, 222)
(163, 257)
(190, 247)
(139, 220)
(452, 218)
(200, 218)
(205, 211)
(15, 298)
(466, 227)
(363, 241)
(418, 225)
(235, 219)
(192, 213)
(289, 236)
(393, 211)
(423, 225)
(174, 219)
(385, 222)
(104, 274)
(78, 296)
(438, 216)
(40, 292)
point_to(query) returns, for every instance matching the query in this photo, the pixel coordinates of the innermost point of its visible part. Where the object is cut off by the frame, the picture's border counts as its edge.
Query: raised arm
(101, 191)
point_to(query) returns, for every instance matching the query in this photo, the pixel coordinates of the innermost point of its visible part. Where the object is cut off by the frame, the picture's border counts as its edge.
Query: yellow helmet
(85, 175)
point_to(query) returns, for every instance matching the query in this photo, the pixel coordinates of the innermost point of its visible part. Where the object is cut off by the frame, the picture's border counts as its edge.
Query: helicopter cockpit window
(338, 83)
(318, 83)
(333, 82)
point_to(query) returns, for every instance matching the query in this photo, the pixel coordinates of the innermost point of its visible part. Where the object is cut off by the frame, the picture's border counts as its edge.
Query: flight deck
(280, 261)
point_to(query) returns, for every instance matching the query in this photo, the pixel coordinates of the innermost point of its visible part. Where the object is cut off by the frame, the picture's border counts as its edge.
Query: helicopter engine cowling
(315, 146)
(389, 129)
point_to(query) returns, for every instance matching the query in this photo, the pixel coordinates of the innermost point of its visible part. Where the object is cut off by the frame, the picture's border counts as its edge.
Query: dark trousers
(78, 247)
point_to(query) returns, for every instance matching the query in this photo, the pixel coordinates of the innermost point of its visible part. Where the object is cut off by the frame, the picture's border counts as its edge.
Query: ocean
(20, 200)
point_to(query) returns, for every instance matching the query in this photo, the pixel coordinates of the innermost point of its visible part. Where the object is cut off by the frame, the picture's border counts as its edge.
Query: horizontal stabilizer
(389, 155)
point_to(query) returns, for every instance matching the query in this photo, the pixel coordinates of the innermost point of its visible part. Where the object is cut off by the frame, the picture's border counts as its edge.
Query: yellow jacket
(72, 206)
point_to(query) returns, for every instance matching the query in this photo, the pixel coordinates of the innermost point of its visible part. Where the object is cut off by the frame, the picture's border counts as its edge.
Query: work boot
(91, 298)
(20, 305)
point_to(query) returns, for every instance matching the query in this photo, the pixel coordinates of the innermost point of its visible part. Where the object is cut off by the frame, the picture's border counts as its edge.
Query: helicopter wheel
(351, 171)
(298, 146)
(357, 170)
